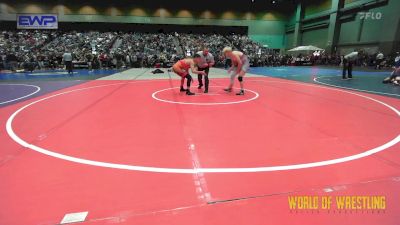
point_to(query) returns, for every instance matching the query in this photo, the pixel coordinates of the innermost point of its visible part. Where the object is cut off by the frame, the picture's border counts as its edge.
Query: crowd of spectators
(81, 44)
(265, 57)
(146, 50)
(252, 49)
(32, 49)
(192, 43)
(20, 47)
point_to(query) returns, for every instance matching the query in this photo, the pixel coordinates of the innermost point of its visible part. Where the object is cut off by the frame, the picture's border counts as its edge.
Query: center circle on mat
(366, 153)
(174, 90)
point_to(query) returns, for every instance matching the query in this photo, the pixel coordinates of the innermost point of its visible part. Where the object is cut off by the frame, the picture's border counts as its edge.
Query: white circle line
(25, 96)
(17, 139)
(203, 103)
(348, 88)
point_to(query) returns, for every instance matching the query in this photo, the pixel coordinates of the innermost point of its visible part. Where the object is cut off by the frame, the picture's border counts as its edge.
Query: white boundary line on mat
(348, 88)
(25, 96)
(48, 152)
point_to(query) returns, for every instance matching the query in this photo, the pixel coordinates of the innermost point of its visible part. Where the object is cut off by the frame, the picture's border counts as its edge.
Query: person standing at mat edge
(181, 68)
(67, 58)
(378, 61)
(207, 61)
(240, 65)
(348, 61)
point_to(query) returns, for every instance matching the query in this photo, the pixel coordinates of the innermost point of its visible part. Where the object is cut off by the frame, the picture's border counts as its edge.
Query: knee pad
(189, 80)
(240, 79)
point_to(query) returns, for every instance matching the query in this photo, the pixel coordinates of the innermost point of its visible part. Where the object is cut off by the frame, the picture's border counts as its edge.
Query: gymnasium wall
(369, 33)
(266, 27)
(315, 37)
(372, 32)
(289, 31)
(313, 7)
(289, 38)
(312, 33)
(309, 35)
(350, 1)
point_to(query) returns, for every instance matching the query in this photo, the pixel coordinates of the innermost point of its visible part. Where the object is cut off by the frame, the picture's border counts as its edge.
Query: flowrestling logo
(370, 15)
(37, 21)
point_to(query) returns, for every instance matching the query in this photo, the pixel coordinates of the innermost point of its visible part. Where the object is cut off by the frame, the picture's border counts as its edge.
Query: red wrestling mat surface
(140, 152)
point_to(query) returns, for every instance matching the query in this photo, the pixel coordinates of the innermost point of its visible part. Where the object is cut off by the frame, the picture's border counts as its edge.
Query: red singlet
(184, 65)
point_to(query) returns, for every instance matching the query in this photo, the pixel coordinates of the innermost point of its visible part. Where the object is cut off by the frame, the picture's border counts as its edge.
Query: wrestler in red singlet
(182, 69)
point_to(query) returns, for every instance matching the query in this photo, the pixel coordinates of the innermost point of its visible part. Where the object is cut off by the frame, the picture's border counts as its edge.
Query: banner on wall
(37, 21)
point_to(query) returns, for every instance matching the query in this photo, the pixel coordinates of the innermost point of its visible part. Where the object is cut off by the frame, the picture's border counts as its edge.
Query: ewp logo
(35, 21)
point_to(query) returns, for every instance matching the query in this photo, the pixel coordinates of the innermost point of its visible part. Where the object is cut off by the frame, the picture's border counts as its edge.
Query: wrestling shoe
(228, 89)
(189, 93)
(241, 92)
(182, 89)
